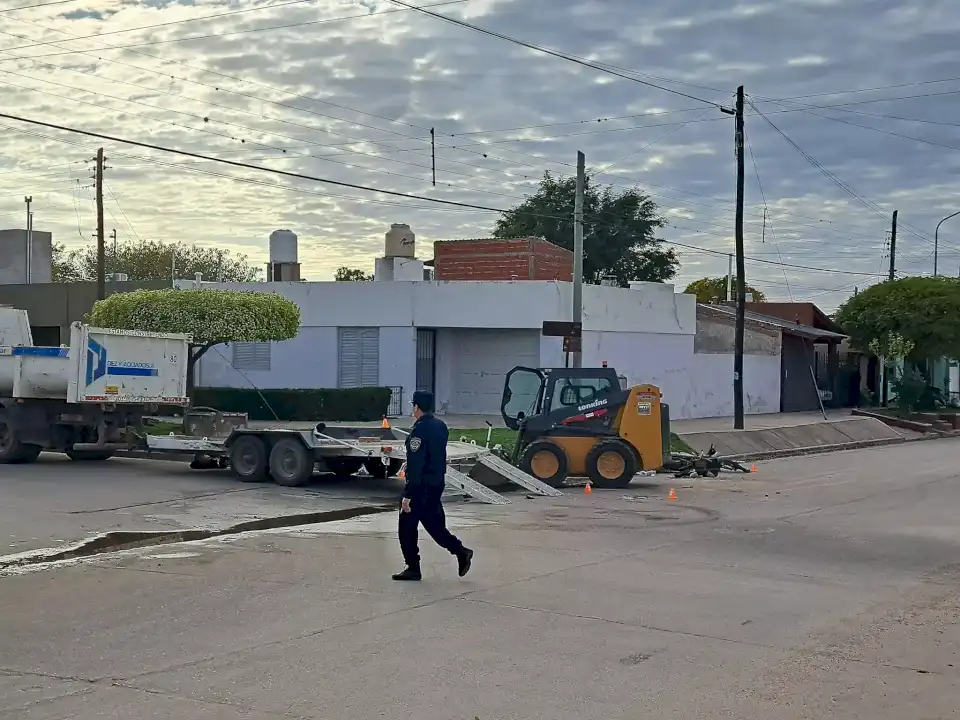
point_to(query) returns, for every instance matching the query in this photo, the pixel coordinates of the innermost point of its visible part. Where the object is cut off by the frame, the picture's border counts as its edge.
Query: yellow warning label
(112, 389)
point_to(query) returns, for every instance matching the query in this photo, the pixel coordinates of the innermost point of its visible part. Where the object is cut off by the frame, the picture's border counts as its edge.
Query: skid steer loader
(581, 422)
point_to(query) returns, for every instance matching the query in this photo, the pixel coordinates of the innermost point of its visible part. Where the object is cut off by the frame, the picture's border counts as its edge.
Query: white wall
(710, 392)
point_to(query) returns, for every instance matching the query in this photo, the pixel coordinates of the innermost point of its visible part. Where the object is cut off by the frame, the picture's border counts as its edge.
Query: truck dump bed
(100, 365)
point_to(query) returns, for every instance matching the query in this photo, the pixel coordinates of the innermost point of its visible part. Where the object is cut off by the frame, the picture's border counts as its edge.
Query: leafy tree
(153, 260)
(345, 274)
(706, 289)
(212, 317)
(619, 229)
(916, 316)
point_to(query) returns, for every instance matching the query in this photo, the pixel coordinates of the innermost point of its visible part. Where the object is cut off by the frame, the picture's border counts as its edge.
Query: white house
(459, 339)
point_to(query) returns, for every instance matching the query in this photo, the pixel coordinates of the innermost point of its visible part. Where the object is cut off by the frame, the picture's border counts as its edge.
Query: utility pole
(741, 273)
(101, 270)
(578, 251)
(29, 260)
(893, 246)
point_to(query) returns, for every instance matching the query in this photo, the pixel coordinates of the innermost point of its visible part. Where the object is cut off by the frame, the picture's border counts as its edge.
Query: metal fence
(395, 408)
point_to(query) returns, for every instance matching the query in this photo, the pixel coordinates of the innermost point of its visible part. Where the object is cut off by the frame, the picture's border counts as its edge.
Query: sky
(852, 112)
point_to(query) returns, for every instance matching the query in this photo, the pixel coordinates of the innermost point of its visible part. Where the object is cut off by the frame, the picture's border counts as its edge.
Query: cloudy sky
(853, 112)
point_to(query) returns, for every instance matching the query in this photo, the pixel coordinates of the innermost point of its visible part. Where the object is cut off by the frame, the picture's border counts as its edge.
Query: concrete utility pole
(741, 274)
(101, 259)
(893, 246)
(29, 259)
(578, 251)
(936, 240)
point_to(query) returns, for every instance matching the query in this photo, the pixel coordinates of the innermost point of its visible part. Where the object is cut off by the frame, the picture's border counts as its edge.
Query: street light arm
(936, 240)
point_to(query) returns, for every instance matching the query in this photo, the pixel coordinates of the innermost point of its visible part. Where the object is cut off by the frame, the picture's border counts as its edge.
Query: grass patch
(165, 428)
(507, 438)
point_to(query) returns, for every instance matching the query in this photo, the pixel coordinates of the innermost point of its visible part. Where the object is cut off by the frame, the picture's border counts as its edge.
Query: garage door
(484, 357)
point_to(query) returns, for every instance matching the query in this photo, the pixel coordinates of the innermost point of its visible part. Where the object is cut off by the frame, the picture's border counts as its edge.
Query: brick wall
(495, 259)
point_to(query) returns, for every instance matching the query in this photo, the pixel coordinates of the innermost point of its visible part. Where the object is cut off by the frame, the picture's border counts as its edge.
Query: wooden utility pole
(741, 273)
(578, 251)
(893, 246)
(101, 259)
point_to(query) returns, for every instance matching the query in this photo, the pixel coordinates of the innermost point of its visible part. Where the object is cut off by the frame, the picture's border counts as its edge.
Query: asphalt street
(822, 586)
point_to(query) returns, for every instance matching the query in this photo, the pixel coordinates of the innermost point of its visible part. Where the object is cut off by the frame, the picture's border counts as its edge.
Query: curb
(838, 447)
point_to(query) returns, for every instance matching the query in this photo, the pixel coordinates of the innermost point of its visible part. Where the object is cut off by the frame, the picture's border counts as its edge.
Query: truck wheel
(248, 458)
(611, 464)
(546, 461)
(291, 464)
(377, 469)
(344, 465)
(12, 451)
(89, 455)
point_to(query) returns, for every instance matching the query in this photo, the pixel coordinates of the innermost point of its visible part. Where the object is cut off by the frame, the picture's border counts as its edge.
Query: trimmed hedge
(330, 404)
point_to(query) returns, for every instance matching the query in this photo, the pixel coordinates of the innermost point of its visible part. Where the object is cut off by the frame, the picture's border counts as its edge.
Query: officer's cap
(423, 400)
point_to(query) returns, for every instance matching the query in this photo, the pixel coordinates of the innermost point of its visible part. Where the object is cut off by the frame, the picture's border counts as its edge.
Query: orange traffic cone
(385, 424)
(753, 468)
(672, 495)
(587, 489)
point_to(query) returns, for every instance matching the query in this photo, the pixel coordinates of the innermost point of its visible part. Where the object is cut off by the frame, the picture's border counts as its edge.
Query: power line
(764, 198)
(339, 183)
(548, 51)
(36, 5)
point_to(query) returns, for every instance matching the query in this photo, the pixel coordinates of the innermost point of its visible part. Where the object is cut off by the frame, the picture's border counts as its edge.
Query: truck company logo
(98, 365)
(592, 406)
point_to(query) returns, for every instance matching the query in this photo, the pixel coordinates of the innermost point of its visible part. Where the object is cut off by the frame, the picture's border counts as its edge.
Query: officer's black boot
(410, 573)
(464, 561)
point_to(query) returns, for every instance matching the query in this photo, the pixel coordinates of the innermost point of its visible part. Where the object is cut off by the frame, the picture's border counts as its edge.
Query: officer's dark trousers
(426, 509)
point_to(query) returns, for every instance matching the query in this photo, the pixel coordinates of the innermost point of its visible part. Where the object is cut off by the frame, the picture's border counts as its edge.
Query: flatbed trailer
(290, 457)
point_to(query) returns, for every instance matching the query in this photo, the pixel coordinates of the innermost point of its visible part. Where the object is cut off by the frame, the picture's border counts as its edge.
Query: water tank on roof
(400, 241)
(283, 247)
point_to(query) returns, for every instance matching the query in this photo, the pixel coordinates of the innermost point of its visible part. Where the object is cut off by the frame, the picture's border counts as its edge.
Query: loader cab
(530, 392)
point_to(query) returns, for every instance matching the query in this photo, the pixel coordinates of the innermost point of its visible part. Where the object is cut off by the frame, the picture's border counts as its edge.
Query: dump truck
(89, 399)
(84, 399)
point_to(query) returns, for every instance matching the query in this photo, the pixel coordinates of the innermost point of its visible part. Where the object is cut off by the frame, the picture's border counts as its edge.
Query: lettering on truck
(98, 365)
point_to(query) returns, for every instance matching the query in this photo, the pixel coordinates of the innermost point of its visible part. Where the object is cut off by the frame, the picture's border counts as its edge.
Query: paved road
(57, 501)
(821, 587)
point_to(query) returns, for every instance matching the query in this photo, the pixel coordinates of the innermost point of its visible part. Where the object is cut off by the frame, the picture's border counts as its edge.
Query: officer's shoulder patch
(415, 443)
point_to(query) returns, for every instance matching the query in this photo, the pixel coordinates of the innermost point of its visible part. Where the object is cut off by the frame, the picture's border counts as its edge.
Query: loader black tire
(12, 451)
(611, 464)
(377, 469)
(248, 459)
(546, 461)
(89, 455)
(291, 463)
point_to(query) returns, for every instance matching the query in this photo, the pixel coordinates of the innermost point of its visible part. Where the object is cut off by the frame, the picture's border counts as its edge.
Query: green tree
(706, 289)
(212, 317)
(345, 274)
(153, 260)
(619, 229)
(918, 316)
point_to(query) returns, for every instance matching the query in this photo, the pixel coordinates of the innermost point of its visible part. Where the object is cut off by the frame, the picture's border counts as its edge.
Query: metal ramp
(516, 475)
(462, 484)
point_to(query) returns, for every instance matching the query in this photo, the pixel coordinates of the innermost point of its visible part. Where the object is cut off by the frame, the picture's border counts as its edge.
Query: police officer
(426, 466)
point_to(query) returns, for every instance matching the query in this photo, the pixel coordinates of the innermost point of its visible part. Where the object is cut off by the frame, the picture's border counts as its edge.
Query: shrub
(328, 404)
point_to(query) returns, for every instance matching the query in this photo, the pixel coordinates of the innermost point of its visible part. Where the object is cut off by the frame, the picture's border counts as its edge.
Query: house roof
(786, 326)
(805, 313)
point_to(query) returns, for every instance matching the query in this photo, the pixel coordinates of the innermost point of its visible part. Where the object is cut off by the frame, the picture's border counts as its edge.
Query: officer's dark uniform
(426, 466)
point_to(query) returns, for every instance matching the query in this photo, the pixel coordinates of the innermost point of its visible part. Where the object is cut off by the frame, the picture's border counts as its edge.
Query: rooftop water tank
(283, 247)
(400, 241)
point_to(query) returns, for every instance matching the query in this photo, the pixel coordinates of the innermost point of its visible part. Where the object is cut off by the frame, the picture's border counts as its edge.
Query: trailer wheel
(89, 455)
(377, 469)
(611, 464)
(12, 451)
(344, 465)
(248, 458)
(291, 464)
(546, 461)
